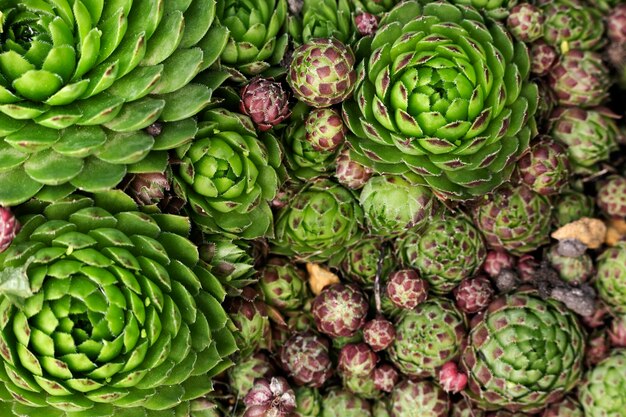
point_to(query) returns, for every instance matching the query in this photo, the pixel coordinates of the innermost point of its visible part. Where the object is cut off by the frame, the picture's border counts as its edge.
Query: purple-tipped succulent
(340, 310)
(270, 398)
(357, 359)
(379, 333)
(150, 188)
(612, 197)
(473, 294)
(545, 167)
(349, 172)
(9, 226)
(305, 356)
(542, 57)
(616, 24)
(366, 23)
(325, 130)
(496, 261)
(525, 22)
(423, 398)
(451, 379)
(386, 377)
(249, 314)
(406, 289)
(322, 72)
(617, 331)
(266, 102)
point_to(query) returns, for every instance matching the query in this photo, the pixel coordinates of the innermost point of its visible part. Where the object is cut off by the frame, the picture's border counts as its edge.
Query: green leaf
(98, 175)
(186, 102)
(179, 70)
(14, 65)
(166, 39)
(138, 83)
(51, 168)
(198, 19)
(16, 187)
(125, 148)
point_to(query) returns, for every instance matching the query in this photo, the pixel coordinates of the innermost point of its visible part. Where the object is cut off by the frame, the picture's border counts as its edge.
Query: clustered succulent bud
(379, 333)
(265, 101)
(9, 226)
(270, 398)
(406, 289)
(340, 310)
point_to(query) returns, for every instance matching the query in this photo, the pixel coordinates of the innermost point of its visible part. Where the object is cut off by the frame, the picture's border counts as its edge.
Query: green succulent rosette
(525, 353)
(303, 161)
(228, 176)
(610, 278)
(496, 9)
(570, 206)
(322, 220)
(427, 337)
(79, 80)
(258, 37)
(442, 92)
(419, 399)
(572, 24)
(107, 311)
(375, 7)
(360, 263)
(323, 19)
(447, 251)
(343, 403)
(231, 262)
(602, 393)
(308, 402)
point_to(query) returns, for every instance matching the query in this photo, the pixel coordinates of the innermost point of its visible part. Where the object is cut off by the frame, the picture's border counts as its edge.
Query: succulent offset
(610, 278)
(602, 392)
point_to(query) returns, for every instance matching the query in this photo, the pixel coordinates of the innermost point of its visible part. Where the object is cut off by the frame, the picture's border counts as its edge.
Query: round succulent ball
(570, 206)
(270, 397)
(386, 377)
(266, 102)
(305, 356)
(616, 24)
(573, 23)
(366, 23)
(360, 264)
(345, 404)
(473, 294)
(498, 260)
(523, 354)
(283, 284)
(379, 333)
(9, 226)
(419, 399)
(325, 130)
(249, 315)
(448, 250)
(361, 385)
(322, 72)
(392, 205)
(308, 402)
(545, 168)
(406, 289)
(574, 270)
(427, 337)
(542, 58)
(610, 278)
(617, 331)
(340, 310)
(568, 407)
(242, 375)
(525, 22)
(515, 219)
(602, 392)
(612, 197)
(357, 359)
(349, 172)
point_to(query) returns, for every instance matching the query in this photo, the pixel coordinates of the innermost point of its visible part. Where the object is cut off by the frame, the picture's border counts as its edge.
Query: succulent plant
(308, 402)
(419, 399)
(360, 263)
(148, 188)
(446, 251)
(451, 379)
(545, 168)
(393, 205)
(321, 72)
(617, 331)
(361, 385)
(515, 219)
(229, 176)
(572, 24)
(325, 130)
(270, 398)
(344, 403)
(243, 374)
(357, 359)
(386, 377)
(590, 135)
(380, 408)
(473, 294)
(462, 407)
(9, 226)
(602, 391)
(265, 101)
(580, 78)
(427, 337)
(303, 161)
(406, 289)
(610, 278)
(375, 7)
(571, 205)
(524, 354)
(322, 19)
(574, 270)
(306, 359)
(320, 222)
(249, 314)
(366, 23)
(283, 284)
(420, 106)
(616, 24)
(598, 347)
(379, 333)
(543, 57)
(107, 311)
(340, 310)
(231, 262)
(612, 197)
(525, 22)
(350, 173)
(80, 83)
(498, 260)
(257, 38)
(568, 407)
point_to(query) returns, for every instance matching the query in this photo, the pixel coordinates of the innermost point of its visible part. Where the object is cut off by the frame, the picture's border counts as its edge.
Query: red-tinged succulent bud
(357, 359)
(612, 197)
(305, 357)
(569, 407)
(617, 331)
(527, 267)
(496, 261)
(386, 377)
(149, 188)
(598, 318)
(366, 23)
(616, 24)
(379, 333)
(340, 310)
(406, 289)
(325, 130)
(266, 102)
(545, 167)
(598, 348)
(9, 226)
(451, 379)
(525, 22)
(542, 58)
(473, 294)
(349, 172)
(270, 398)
